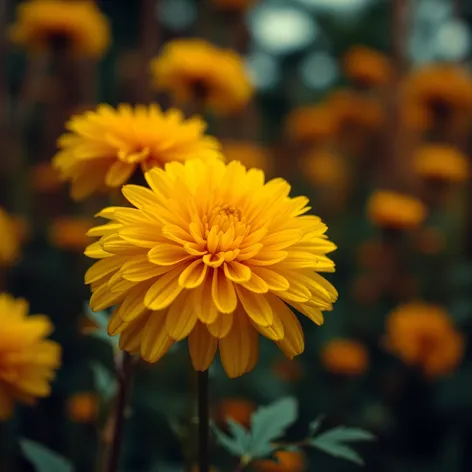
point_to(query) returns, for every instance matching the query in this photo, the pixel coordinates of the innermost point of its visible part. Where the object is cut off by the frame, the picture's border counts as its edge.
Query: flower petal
(273, 279)
(221, 327)
(237, 272)
(119, 173)
(203, 302)
(167, 254)
(155, 340)
(102, 268)
(256, 306)
(202, 347)
(194, 274)
(222, 292)
(164, 291)
(181, 317)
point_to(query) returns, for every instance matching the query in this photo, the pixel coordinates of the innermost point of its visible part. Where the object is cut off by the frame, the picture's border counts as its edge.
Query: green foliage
(100, 318)
(43, 459)
(105, 381)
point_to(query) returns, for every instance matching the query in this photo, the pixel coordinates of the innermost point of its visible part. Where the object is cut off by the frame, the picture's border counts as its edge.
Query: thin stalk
(203, 422)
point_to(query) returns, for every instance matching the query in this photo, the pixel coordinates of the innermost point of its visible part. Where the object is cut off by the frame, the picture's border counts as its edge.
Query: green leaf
(43, 459)
(232, 445)
(315, 425)
(105, 381)
(338, 450)
(239, 433)
(344, 434)
(100, 318)
(269, 423)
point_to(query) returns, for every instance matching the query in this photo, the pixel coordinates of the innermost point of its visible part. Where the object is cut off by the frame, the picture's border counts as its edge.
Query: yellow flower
(233, 5)
(237, 409)
(367, 67)
(390, 209)
(9, 240)
(422, 335)
(310, 124)
(251, 155)
(287, 461)
(45, 178)
(344, 356)
(324, 168)
(77, 25)
(103, 148)
(441, 163)
(82, 407)
(27, 360)
(70, 233)
(197, 72)
(211, 253)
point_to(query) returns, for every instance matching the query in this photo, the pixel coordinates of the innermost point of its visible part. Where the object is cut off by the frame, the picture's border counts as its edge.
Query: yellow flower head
(82, 407)
(233, 5)
(77, 25)
(422, 335)
(251, 155)
(211, 253)
(70, 233)
(367, 67)
(441, 163)
(310, 124)
(27, 360)
(324, 168)
(390, 209)
(346, 357)
(9, 239)
(197, 72)
(103, 148)
(287, 461)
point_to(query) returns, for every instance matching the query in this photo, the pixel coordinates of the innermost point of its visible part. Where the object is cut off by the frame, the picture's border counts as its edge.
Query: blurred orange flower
(44, 24)
(197, 72)
(310, 124)
(237, 409)
(82, 407)
(422, 335)
(251, 155)
(429, 241)
(45, 178)
(389, 209)
(324, 168)
(366, 67)
(441, 163)
(287, 461)
(344, 356)
(233, 5)
(9, 240)
(287, 370)
(70, 233)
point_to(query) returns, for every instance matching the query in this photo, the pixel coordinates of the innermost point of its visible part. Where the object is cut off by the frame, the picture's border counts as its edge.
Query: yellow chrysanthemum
(251, 155)
(390, 209)
(344, 356)
(76, 25)
(324, 168)
(195, 71)
(211, 253)
(422, 335)
(310, 124)
(233, 5)
(70, 233)
(9, 239)
(27, 360)
(103, 148)
(367, 67)
(441, 163)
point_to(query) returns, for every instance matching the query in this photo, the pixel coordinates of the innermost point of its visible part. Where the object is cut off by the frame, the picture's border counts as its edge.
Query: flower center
(224, 217)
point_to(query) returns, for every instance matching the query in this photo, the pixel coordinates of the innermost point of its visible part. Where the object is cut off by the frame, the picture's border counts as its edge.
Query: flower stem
(124, 370)
(203, 422)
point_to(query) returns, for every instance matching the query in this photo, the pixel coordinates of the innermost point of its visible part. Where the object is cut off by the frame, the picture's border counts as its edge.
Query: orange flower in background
(310, 124)
(429, 241)
(390, 209)
(82, 407)
(27, 359)
(422, 335)
(70, 233)
(77, 25)
(233, 5)
(288, 370)
(213, 253)
(22, 228)
(345, 357)
(237, 409)
(367, 67)
(287, 461)
(45, 178)
(9, 240)
(441, 163)
(324, 168)
(196, 72)
(103, 148)
(251, 155)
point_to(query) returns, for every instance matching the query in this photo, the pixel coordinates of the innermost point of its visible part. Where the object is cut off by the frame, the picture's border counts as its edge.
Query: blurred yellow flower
(366, 67)
(237, 409)
(9, 240)
(422, 335)
(197, 72)
(390, 209)
(310, 125)
(287, 370)
(103, 148)
(27, 360)
(76, 25)
(251, 155)
(45, 178)
(287, 461)
(82, 407)
(345, 357)
(324, 168)
(70, 233)
(211, 253)
(233, 5)
(441, 163)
